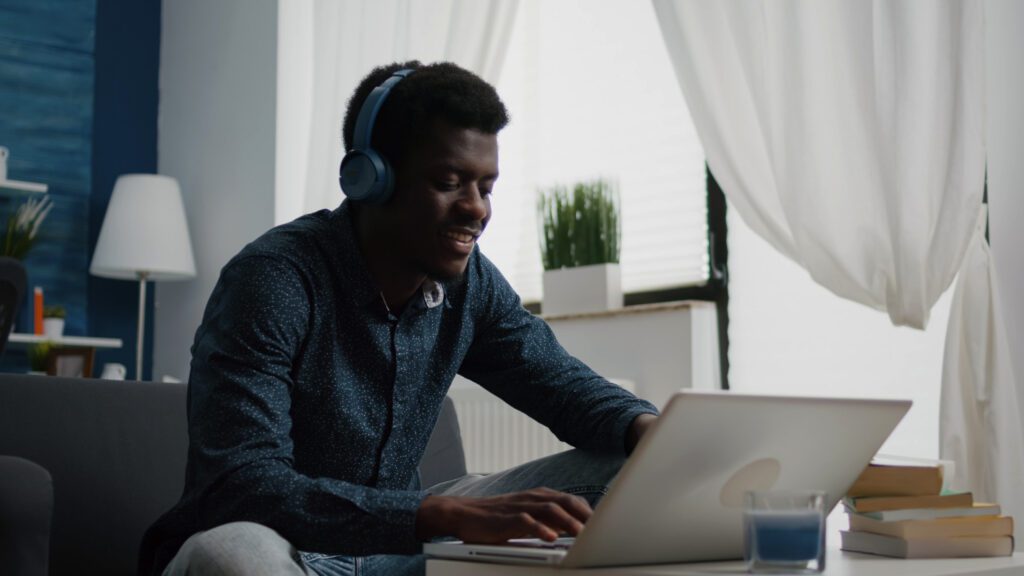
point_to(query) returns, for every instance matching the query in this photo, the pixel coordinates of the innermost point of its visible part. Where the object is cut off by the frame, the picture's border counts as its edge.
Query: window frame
(715, 290)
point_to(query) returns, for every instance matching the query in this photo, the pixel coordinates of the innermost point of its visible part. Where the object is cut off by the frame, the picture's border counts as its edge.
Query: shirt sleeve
(516, 356)
(240, 420)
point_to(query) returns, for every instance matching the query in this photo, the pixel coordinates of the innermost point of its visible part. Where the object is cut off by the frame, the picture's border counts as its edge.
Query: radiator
(496, 436)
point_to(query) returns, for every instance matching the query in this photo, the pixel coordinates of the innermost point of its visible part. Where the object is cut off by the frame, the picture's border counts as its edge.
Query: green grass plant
(580, 227)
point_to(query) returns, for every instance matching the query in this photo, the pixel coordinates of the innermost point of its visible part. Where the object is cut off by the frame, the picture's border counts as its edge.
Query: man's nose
(473, 203)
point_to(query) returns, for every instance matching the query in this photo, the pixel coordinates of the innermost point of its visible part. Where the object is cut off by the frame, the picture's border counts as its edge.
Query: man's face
(442, 200)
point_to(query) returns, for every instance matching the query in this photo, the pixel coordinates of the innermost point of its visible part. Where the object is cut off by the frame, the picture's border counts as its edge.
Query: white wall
(218, 79)
(1004, 21)
(294, 107)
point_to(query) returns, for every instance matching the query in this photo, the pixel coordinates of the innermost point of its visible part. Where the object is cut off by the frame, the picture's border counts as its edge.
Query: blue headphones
(365, 175)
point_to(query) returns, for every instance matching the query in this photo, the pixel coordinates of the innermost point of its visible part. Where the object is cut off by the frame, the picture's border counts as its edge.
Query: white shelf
(23, 186)
(82, 341)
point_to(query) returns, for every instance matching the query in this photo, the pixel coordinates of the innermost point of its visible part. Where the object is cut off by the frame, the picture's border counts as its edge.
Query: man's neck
(397, 284)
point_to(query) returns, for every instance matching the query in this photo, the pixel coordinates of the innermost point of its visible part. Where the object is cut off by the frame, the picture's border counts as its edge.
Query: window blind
(591, 93)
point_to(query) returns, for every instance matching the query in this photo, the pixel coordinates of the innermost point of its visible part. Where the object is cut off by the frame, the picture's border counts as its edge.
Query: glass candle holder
(784, 532)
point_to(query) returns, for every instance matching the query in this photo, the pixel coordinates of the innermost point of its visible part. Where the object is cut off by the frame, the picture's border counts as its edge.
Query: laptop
(679, 496)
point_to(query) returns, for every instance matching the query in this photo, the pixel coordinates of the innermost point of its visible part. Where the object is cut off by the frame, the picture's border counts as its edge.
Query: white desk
(838, 563)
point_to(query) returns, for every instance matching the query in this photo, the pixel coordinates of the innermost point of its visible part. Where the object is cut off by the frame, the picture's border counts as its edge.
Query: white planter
(585, 289)
(53, 327)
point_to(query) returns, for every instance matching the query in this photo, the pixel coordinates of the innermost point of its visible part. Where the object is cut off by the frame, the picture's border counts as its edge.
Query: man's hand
(640, 425)
(538, 513)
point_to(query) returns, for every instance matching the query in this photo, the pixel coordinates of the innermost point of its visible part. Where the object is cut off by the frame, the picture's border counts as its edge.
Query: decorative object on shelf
(39, 357)
(4, 155)
(53, 321)
(37, 310)
(580, 242)
(113, 371)
(71, 362)
(23, 226)
(144, 237)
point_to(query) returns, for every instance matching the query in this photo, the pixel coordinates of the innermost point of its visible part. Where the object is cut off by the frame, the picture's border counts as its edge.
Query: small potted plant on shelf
(53, 321)
(38, 357)
(23, 226)
(580, 247)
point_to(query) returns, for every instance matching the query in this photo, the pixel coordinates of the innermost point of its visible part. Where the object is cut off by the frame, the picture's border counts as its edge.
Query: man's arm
(640, 425)
(516, 356)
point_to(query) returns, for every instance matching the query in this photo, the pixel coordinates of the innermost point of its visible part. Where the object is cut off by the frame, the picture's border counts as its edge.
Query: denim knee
(237, 548)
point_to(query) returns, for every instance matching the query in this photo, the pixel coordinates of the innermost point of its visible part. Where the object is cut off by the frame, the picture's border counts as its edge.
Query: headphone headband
(371, 107)
(365, 175)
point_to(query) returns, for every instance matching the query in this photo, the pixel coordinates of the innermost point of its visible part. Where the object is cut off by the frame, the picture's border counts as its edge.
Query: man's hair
(441, 91)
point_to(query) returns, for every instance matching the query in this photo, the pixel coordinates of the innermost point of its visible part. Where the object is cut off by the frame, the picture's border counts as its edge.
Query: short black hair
(441, 91)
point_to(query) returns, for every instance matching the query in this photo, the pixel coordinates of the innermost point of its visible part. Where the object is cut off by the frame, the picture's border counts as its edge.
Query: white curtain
(850, 135)
(979, 428)
(351, 37)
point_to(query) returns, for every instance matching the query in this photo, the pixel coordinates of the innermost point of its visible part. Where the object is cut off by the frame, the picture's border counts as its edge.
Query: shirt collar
(433, 293)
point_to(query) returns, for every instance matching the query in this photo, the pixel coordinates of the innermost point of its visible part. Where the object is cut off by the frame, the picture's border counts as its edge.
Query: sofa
(86, 465)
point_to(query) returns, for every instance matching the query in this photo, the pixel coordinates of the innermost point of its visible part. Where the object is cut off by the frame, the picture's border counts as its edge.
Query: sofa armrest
(444, 458)
(26, 510)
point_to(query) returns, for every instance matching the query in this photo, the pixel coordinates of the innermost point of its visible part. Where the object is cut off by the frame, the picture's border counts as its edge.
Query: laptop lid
(679, 497)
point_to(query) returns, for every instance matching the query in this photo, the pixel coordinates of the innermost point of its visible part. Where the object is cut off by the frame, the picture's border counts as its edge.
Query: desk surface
(838, 563)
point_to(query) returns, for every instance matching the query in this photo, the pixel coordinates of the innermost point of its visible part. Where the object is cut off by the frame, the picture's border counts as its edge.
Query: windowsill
(627, 310)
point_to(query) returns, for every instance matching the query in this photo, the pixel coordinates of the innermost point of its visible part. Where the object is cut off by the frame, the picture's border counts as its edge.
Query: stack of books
(901, 511)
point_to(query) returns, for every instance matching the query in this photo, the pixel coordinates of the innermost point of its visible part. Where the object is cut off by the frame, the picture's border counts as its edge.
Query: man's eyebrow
(451, 168)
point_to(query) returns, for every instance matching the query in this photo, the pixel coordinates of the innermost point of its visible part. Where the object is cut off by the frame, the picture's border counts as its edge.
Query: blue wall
(123, 141)
(78, 105)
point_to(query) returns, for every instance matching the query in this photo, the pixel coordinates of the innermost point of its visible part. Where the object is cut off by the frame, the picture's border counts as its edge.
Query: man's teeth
(460, 237)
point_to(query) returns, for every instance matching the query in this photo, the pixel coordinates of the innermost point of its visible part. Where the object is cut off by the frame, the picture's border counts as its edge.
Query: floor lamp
(144, 237)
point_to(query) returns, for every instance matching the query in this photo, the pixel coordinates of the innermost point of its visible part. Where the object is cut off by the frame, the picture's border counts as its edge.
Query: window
(592, 93)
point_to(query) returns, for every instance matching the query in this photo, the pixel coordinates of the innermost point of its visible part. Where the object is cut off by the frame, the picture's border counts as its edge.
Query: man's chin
(449, 273)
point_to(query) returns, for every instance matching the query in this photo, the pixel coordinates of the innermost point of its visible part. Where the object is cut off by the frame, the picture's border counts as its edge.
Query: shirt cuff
(621, 426)
(398, 511)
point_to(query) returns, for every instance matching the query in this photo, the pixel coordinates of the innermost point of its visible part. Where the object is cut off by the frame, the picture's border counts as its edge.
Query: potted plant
(53, 321)
(580, 247)
(38, 357)
(23, 226)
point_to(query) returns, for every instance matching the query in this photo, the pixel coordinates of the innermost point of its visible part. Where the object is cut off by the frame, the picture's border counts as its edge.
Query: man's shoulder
(298, 243)
(483, 287)
(479, 267)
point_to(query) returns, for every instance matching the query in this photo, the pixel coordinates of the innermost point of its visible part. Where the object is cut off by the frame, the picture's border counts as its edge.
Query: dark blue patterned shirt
(310, 404)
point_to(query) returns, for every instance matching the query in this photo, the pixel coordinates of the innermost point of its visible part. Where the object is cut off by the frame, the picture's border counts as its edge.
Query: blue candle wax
(783, 535)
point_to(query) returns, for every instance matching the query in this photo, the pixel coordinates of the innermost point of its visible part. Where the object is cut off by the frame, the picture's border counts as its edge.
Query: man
(327, 348)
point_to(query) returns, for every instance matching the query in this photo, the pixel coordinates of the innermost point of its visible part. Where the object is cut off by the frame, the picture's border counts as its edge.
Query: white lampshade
(144, 232)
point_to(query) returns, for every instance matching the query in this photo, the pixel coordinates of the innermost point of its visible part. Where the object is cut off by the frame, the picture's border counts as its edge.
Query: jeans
(251, 549)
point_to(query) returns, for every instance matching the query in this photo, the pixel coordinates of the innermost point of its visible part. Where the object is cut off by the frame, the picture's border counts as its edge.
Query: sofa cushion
(116, 452)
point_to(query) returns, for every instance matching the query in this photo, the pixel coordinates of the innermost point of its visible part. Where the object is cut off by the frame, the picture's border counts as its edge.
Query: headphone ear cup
(387, 182)
(365, 176)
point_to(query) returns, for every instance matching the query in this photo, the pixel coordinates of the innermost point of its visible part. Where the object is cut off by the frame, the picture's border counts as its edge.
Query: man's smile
(460, 239)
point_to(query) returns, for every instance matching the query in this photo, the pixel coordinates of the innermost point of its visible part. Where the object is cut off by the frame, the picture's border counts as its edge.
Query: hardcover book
(894, 480)
(965, 547)
(938, 528)
(875, 504)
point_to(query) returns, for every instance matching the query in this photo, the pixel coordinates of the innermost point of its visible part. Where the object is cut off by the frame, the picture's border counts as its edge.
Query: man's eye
(447, 185)
(485, 192)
